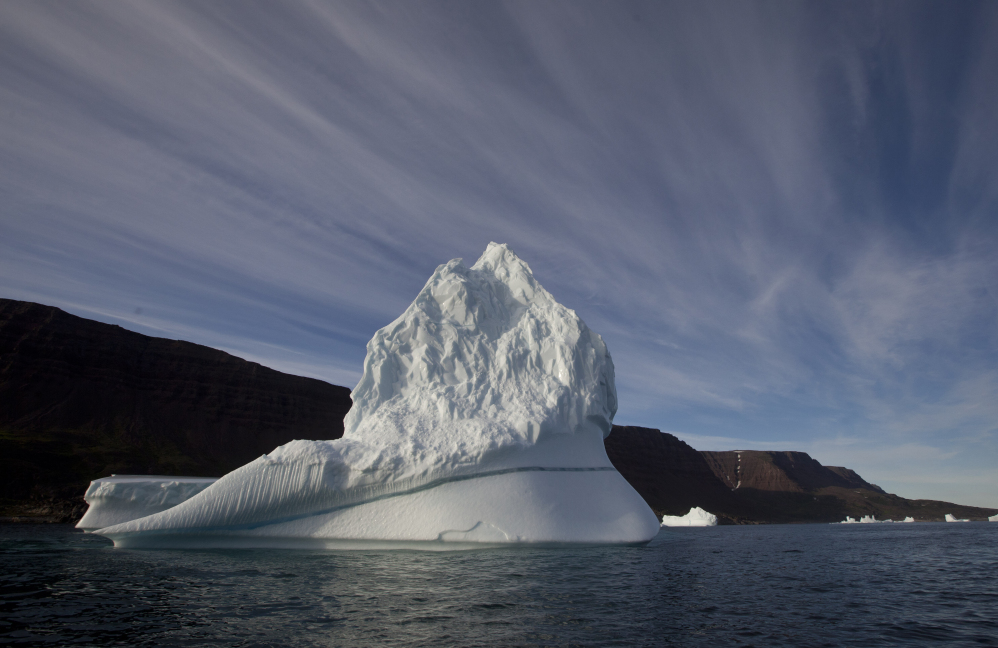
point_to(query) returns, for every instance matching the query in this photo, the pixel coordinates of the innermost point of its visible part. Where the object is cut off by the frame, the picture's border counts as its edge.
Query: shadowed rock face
(82, 399)
(670, 475)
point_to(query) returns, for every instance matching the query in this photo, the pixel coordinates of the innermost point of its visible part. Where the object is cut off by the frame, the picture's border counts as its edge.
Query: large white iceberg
(993, 518)
(120, 498)
(697, 517)
(479, 418)
(951, 518)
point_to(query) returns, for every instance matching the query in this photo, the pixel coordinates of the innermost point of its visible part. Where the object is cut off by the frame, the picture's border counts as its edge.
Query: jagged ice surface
(480, 417)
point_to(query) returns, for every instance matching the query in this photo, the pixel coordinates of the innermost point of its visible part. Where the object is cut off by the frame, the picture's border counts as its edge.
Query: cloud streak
(780, 217)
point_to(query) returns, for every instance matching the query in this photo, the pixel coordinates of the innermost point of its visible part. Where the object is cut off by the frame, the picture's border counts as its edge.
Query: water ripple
(806, 585)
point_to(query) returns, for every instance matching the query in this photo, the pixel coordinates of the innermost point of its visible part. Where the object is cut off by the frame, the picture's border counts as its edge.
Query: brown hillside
(792, 472)
(82, 399)
(793, 487)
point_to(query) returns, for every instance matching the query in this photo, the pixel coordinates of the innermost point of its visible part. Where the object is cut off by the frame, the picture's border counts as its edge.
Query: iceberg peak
(483, 352)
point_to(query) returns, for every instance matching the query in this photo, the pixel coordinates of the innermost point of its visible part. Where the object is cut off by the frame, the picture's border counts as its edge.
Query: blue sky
(782, 217)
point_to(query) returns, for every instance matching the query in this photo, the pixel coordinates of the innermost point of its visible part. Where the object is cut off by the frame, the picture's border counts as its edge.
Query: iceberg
(121, 498)
(950, 518)
(479, 419)
(908, 519)
(697, 517)
(993, 518)
(866, 519)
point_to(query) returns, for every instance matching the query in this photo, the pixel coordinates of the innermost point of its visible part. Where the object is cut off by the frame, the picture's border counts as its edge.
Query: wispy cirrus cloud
(780, 217)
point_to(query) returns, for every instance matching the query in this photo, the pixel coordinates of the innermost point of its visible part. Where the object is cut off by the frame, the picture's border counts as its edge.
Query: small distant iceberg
(908, 519)
(866, 519)
(697, 517)
(950, 518)
(993, 518)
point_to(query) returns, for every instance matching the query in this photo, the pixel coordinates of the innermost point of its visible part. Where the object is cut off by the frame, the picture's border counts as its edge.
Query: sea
(922, 584)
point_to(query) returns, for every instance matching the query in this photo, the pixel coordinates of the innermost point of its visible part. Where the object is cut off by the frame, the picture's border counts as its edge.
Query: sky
(782, 217)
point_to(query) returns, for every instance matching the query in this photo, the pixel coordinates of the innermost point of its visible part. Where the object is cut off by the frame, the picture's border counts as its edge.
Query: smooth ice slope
(697, 517)
(120, 498)
(480, 417)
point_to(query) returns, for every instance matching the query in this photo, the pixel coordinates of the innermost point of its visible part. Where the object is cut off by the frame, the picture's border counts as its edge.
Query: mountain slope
(82, 399)
(671, 476)
(794, 472)
(793, 487)
(750, 486)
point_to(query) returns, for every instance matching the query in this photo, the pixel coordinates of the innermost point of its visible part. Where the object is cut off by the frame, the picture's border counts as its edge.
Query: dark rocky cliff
(670, 475)
(80, 399)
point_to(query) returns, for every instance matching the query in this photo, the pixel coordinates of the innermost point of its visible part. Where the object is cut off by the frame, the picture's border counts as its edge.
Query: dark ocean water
(804, 585)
